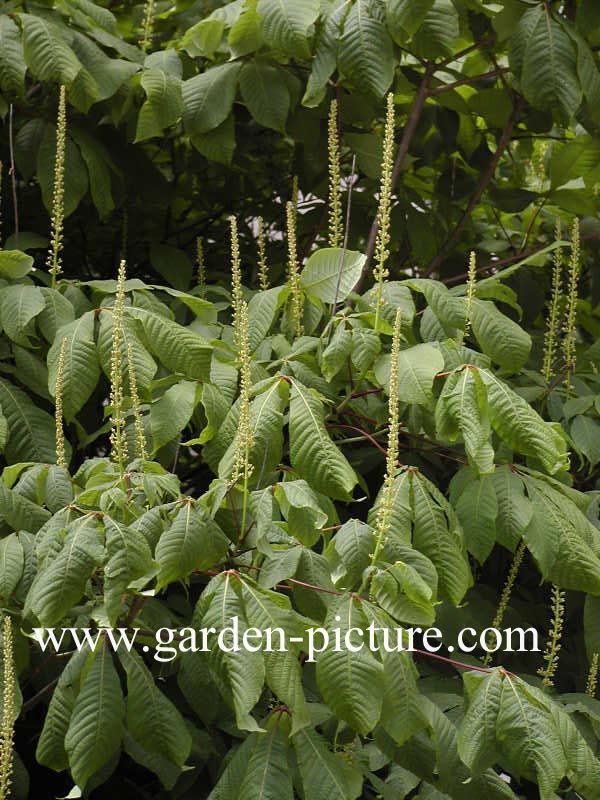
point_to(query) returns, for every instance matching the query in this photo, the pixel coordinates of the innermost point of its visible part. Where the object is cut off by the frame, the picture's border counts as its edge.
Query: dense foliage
(286, 435)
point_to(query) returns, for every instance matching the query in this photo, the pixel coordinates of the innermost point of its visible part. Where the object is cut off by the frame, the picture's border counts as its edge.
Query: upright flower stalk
(61, 458)
(553, 645)
(54, 261)
(380, 272)
(242, 468)
(336, 233)
(118, 439)
(148, 25)
(569, 352)
(385, 508)
(471, 285)
(263, 267)
(551, 337)
(200, 265)
(140, 434)
(506, 595)
(293, 269)
(8, 711)
(592, 681)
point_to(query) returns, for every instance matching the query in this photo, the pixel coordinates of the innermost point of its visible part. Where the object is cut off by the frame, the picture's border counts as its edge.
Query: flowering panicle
(385, 508)
(553, 645)
(471, 284)
(200, 266)
(380, 272)
(263, 267)
(336, 234)
(8, 711)
(236, 278)
(53, 262)
(148, 25)
(61, 458)
(117, 435)
(568, 345)
(242, 468)
(293, 270)
(592, 681)
(553, 323)
(506, 594)
(140, 434)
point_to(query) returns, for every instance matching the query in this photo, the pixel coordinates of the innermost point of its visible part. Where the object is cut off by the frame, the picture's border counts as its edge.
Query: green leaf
(47, 54)
(128, 559)
(50, 750)
(11, 564)
(31, 430)
(12, 61)
(99, 166)
(544, 57)
(324, 775)
(219, 144)
(163, 106)
(13, 263)
(585, 433)
(143, 364)
(208, 97)
(265, 92)
(477, 733)
(285, 26)
(505, 342)
(173, 264)
(437, 34)
(192, 542)
(462, 408)
(312, 453)
(203, 38)
(406, 16)
(18, 307)
(351, 683)
(477, 509)
(417, 368)
(62, 579)
(262, 310)
(337, 352)
(267, 775)
(170, 414)
(239, 674)
(157, 730)
(96, 727)
(81, 364)
(521, 427)
(365, 54)
(57, 311)
(177, 347)
(437, 534)
(520, 719)
(330, 274)
(562, 540)
(19, 512)
(401, 714)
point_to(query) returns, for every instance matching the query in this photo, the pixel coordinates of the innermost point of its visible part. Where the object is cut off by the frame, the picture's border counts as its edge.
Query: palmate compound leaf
(240, 675)
(96, 727)
(477, 745)
(476, 504)
(81, 364)
(312, 452)
(11, 564)
(192, 542)
(285, 26)
(351, 683)
(365, 50)
(156, 734)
